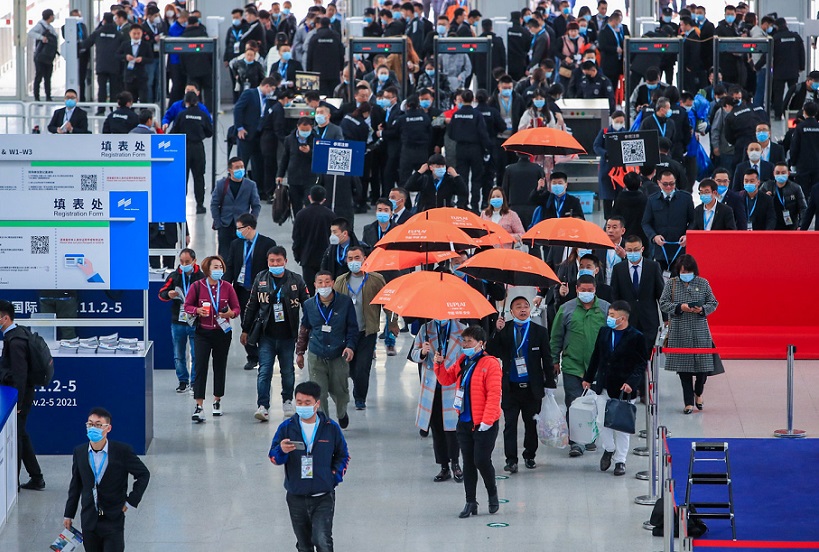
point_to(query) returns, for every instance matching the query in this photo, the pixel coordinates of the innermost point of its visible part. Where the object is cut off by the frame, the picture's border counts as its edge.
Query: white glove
(484, 427)
(701, 127)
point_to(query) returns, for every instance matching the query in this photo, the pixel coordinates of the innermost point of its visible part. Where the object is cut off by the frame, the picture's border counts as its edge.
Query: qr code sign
(634, 152)
(39, 245)
(339, 160)
(88, 183)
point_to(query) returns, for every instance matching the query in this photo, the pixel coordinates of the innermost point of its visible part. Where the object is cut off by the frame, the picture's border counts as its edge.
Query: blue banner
(168, 178)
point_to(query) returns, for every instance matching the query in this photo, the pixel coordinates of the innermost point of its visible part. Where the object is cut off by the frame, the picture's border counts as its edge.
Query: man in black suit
(616, 231)
(311, 231)
(69, 119)
(246, 258)
(525, 175)
(711, 214)
(694, 70)
(610, 42)
(640, 283)
(616, 367)
(728, 197)
(760, 207)
(523, 347)
(99, 475)
(772, 152)
(135, 54)
(248, 120)
(341, 238)
(401, 207)
(754, 161)
(437, 185)
(668, 215)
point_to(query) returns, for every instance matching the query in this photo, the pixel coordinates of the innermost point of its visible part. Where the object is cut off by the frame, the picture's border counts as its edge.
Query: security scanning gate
(370, 46)
(446, 46)
(656, 47)
(747, 46)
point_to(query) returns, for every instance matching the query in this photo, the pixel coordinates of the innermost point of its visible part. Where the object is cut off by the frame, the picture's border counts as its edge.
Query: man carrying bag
(616, 368)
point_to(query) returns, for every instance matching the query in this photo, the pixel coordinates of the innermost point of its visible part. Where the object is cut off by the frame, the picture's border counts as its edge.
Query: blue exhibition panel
(121, 383)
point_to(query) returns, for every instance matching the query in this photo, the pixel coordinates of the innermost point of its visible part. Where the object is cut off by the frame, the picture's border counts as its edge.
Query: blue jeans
(269, 349)
(182, 334)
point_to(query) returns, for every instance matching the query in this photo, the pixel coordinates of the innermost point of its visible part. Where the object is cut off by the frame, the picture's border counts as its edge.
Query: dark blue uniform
(468, 130)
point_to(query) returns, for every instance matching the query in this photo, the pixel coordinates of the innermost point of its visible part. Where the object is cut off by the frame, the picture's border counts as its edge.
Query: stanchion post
(668, 515)
(653, 452)
(790, 432)
(682, 520)
(644, 450)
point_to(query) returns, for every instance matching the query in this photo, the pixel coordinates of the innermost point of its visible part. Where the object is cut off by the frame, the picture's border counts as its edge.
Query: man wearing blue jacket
(313, 451)
(177, 107)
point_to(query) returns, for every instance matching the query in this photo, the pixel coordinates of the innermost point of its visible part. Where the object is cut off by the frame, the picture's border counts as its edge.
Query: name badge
(278, 312)
(307, 467)
(520, 365)
(508, 121)
(183, 317)
(326, 328)
(786, 215)
(459, 399)
(235, 47)
(156, 47)
(354, 299)
(666, 275)
(750, 225)
(241, 277)
(224, 323)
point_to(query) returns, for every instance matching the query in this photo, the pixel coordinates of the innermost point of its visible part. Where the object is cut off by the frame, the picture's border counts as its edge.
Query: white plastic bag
(583, 424)
(551, 423)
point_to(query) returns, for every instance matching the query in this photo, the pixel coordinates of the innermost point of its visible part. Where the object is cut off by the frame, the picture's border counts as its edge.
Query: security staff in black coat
(297, 162)
(311, 231)
(803, 92)
(518, 39)
(495, 125)
(682, 126)
(740, 127)
(135, 54)
(519, 181)
(639, 282)
(667, 217)
(759, 206)
(497, 58)
(731, 65)
(437, 185)
(595, 85)
(198, 66)
(246, 258)
(107, 65)
(274, 132)
(805, 149)
(523, 348)
(196, 126)
(788, 62)
(789, 201)
(467, 129)
(325, 55)
(123, 119)
(414, 130)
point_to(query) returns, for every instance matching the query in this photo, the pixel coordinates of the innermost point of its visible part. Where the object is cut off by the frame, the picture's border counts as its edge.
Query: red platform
(766, 285)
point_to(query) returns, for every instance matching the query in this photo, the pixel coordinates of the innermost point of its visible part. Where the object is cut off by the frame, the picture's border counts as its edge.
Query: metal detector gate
(747, 46)
(445, 46)
(655, 47)
(378, 45)
(201, 45)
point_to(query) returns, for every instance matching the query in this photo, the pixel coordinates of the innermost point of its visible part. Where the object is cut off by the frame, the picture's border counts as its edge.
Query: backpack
(281, 204)
(41, 367)
(696, 527)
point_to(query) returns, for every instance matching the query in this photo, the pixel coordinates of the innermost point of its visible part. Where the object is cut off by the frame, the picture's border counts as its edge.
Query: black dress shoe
(699, 403)
(200, 210)
(344, 422)
(511, 467)
(34, 484)
(530, 463)
(443, 475)
(605, 460)
(494, 503)
(251, 365)
(457, 472)
(423, 433)
(620, 468)
(471, 509)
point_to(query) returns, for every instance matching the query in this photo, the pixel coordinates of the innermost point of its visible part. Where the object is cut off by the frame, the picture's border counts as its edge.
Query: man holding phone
(313, 451)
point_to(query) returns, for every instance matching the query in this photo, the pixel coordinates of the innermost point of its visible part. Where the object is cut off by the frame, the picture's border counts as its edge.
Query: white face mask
(324, 291)
(618, 126)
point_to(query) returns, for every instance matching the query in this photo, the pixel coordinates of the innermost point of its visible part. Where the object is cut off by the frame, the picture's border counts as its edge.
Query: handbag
(564, 71)
(621, 415)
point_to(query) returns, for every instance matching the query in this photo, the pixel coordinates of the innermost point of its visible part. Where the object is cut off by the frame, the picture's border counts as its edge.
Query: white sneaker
(288, 408)
(198, 414)
(217, 408)
(262, 414)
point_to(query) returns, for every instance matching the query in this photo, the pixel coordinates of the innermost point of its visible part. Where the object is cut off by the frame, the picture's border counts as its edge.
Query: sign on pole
(338, 158)
(633, 148)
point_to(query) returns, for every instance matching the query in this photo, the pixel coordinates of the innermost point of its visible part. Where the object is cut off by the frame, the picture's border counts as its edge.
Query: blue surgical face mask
(441, 29)
(567, 11)
(763, 136)
(527, 18)
(95, 434)
(305, 133)
(700, 17)
(558, 189)
(520, 322)
(706, 198)
(506, 92)
(71, 103)
(611, 322)
(749, 188)
(394, 204)
(686, 276)
(430, 72)
(382, 77)
(383, 217)
(286, 11)
(539, 103)
(354, 266)
(587, 17)
(583, 30)
(383, 22)
(634, 256)
(321, 119)
(383, 103)
(276, 270)
(239, 234)
(721, 190)
(287, 56)
(652, 86)
(186, 268)
(368, 20)
(585, 272)
(496, 202)
(458, 105)
(813, 85)
(305, 412)
(439, 172)
(548, 74)
(237, 22)
(583, 252)
(666, 19)
(239, 174)
(458, 273)
(425, 104)
(781, 178)
(217, 274)
(469, 351)
(586, 296)
(730, 19)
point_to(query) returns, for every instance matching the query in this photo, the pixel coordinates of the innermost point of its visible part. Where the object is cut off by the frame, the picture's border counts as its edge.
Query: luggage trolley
(378, 45)
(457, 45)
(656, 48)
(747, 46)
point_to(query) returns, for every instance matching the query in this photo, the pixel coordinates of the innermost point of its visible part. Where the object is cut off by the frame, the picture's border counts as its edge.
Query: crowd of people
(433, 135)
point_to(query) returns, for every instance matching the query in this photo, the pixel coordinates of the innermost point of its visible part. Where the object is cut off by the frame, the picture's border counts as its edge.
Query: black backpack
(41, 369)
(696, 527)
(281, 204)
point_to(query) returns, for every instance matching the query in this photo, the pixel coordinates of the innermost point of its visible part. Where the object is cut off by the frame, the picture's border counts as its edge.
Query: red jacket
(484, 387)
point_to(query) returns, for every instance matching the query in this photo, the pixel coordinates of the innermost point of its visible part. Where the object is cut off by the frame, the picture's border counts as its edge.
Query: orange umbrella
(390, 291)
(426, 236)
(442, 297)
(567, 231)
(467, 221)
(382, 260)
(497, 235)
(543, 141)
(510, 266)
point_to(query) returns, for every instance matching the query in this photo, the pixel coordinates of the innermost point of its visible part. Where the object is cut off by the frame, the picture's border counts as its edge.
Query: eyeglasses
(240, 228)
(98, 425)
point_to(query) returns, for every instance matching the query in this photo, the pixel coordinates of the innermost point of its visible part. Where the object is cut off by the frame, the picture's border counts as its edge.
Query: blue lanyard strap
(356, 292)
(214, 304)
(438, 184)
(343, 253)
(663, 128)
(523, 339)
(679, 249)
(309, 445)
(236, 34)
(321, 311)
(780, 197)
(94, 468)
(278, 290)
(283, 68)
(443, 338)
(748, 206)
(185, 287)
(248, 253)
(469, 369)
(558, 208)
(705, 218)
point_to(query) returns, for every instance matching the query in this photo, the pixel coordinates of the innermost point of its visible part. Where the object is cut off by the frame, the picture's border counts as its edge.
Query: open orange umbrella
(543, 141)
(510, 266)
(443, 297)
(467, 221)
(426, 236)
(567, 231)
(497, 235)
(383, 260)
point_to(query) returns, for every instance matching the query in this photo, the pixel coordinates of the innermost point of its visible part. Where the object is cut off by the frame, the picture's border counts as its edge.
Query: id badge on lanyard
(520, 365)
(458, 403)
(307, 467)
(786, 217)
(224, 323)
(278, 312)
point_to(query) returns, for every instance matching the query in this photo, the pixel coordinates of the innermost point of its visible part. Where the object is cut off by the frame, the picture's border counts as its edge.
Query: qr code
(339, 160)
(39, 245)
(88, 183)
(634, 152)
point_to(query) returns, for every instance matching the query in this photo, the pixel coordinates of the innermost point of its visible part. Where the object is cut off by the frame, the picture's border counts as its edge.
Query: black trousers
(42, 73)
(269, 146)
(778, 88)
(411, 160)
(806, 180)
(226, 235)
(207, 343)
(107, 536)
(692, 384)
(296, 198)
(444, 443)
(519, 401)
(138, 89)
(361, 365)
(309, 275)
(196, 168)
(84, 62)
(25, 450)
(312, 520)
(177, 77)
(109, 85)
(244, 294)
(389, 177)
(477, 447)
(470, 160)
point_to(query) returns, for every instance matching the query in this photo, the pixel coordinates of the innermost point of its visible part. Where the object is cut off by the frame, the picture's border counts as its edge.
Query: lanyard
(468, 373)
(748, 206)
(323, 132)
(612, 340)
(304, 436)
(507, 104)
(523, 339)
(321, 311)
(215, 305)
(356, 292)
(443, 344)
(185, 287)
(283, 69)
(277, 290)
(438, 184)
(558, 208)
(340, 258)
(252, 247)
(616, 35)
(237, 35)
(679, 249)
(780, 197)
(706, 219)
(382, 232)
(97, 469)
(534, 39)
(663, 128)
